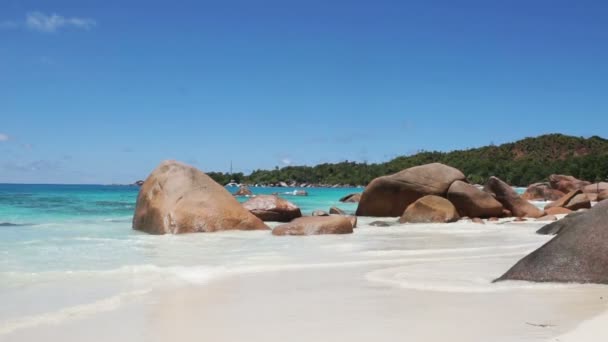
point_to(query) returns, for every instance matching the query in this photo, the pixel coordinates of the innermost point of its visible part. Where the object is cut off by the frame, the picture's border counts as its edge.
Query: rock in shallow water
(351, 198)
(316, 225)
(243, 191)
(579, 252)
(272, 208)
(178, 198)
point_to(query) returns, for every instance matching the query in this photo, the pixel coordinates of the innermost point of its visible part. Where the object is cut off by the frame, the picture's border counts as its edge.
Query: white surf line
(70, 313)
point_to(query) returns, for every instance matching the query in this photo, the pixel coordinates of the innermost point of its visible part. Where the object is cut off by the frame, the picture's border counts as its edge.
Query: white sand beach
(406, 282)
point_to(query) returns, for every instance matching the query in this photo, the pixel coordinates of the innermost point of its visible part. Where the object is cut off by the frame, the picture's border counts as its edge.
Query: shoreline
(415, 282)
(305, 305)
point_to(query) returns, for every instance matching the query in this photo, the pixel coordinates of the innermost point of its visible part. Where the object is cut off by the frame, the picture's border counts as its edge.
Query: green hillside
(519, 163)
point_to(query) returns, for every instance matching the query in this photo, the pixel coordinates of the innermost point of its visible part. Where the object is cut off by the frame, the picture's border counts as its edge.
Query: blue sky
(100, 91)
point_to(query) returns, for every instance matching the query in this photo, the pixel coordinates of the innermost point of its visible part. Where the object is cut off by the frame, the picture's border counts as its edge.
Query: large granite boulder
(272, 208)
(566, 184)
(388, 196)
(510, 199)
(178, 198)
(578, 253)
(430, 209)
(472, 202)
(351, 198)
(315, 225)
(541, 192)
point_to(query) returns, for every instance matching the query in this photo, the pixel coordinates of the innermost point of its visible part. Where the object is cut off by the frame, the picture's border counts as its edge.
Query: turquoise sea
(46, 226)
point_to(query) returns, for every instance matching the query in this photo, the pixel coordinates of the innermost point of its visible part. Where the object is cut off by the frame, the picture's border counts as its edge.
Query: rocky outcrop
(389, 196)
(272, 208)
(565, 183)
(178, 198)
(541, 192)
(430, 209)
(243, 191)
(351, 198)
(315, 225)
(472, 202)
(510, 199)
(578, 253)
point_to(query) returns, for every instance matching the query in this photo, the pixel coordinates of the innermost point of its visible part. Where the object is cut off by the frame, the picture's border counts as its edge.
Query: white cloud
(48, 23)
(4, 137)
(286, 161)
(39, 21)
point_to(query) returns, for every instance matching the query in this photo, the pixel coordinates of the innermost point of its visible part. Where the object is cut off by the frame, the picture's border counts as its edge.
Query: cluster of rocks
(560, 185)
(177, 198)
(440, 193)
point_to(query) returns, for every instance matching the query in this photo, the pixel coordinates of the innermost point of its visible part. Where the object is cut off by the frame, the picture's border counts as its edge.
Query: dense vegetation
(520, 163)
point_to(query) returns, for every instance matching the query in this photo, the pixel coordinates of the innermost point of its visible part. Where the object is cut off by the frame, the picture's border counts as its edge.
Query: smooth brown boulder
(243, 191)
(315, 225)
(578, 253)
(565, 183)
(430, 209)
(596, 188)
(472, 202)
(510, 199)
(336, 211)
(563, 201)
(389, 196)
(602, 196)
(272, 208)
(351, 198)
(557, 211)
(541, 192)
(580, 201)
(178, 198)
